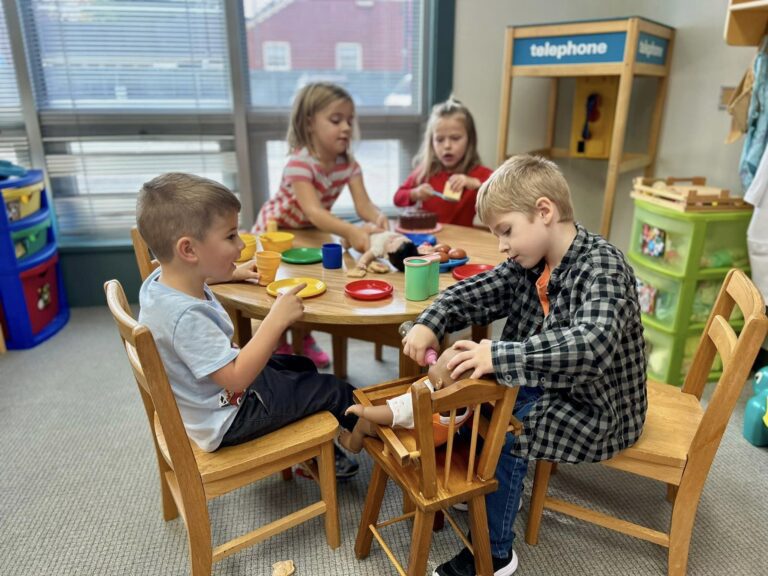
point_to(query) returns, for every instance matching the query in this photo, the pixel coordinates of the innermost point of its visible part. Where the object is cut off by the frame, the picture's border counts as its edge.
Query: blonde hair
(517, 184)
(426, 162)
(175, 205)
(310, 100)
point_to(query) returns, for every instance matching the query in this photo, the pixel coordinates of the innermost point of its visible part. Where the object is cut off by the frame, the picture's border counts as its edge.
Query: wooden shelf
(629, 160)
(746, 22)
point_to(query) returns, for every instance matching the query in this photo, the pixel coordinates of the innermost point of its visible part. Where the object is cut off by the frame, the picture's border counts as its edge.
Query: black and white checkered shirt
(587, 355)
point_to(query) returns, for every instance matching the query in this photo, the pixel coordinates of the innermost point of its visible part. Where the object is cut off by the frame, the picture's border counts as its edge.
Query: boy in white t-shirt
(225, 395)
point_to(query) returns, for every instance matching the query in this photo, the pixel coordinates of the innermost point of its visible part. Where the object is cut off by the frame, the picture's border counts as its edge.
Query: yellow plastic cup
(267, 264)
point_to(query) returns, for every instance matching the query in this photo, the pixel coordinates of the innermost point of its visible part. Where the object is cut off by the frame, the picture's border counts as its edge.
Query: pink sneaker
(284, 349)
(314, 353)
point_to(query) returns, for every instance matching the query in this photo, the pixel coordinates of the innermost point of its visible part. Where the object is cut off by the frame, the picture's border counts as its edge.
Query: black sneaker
(345, 466)
(463, 564)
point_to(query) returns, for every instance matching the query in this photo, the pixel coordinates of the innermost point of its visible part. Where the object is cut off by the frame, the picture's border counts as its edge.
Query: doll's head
(398, 249)
(440, 375)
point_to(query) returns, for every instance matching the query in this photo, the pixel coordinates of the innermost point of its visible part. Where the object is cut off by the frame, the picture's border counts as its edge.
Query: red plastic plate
(462, 272)
(368, 289)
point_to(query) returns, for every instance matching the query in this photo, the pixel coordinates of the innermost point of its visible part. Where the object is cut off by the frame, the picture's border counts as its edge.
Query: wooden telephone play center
(605, 57)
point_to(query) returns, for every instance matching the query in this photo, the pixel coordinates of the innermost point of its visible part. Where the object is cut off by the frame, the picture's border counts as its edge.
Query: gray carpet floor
(80, 491)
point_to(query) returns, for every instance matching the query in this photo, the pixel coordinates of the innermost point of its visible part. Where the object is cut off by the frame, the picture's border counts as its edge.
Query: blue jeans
(501, 506)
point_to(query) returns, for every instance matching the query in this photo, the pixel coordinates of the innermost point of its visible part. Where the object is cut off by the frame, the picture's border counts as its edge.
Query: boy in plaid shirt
(573, 341)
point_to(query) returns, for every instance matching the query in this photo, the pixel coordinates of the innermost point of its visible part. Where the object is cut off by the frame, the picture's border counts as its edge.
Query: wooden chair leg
(370, 513)
(481, 542)
(170, 510)
(199, 538)
(339, 346)
(378, 352)
(328, 493)
(420, 541)
(297, 340)
(671, 493)
(681, 526)
(408, 504)
(538, 494)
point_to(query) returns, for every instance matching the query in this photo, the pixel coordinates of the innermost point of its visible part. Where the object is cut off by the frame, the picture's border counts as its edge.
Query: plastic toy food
(442, 248)
(457, 254)
(443, 257)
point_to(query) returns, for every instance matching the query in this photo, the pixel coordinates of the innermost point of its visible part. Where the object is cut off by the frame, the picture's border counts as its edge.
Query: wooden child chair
(680, 437)
(189, 477)
(433, 479)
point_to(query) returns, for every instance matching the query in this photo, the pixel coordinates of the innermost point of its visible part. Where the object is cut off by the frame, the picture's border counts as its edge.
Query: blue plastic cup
(331, 255)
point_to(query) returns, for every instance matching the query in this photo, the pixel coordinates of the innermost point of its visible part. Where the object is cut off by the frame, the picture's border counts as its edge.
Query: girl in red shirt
(448, 155)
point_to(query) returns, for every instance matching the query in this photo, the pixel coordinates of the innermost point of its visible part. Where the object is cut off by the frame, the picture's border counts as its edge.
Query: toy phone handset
(592, 115)
(431, 354)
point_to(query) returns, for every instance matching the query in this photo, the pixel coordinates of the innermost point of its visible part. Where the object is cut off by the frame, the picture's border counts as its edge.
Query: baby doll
(392, 245)
(398, 411)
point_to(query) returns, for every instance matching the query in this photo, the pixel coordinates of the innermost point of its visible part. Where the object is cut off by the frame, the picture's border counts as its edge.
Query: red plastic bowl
(368, 289)
(462, 272)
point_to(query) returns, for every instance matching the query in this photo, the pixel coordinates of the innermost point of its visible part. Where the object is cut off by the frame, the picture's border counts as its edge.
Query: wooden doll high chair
(432, 479)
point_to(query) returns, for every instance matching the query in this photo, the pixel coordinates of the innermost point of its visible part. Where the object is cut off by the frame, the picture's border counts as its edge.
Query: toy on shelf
(686, 195)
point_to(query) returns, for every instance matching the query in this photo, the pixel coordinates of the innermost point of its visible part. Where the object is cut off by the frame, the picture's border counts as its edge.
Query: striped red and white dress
(302, 167)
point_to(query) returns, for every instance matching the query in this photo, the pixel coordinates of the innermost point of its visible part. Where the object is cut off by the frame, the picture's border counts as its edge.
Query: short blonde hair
(517, 184)
(177, 204)
(310, 100)
(426, 162)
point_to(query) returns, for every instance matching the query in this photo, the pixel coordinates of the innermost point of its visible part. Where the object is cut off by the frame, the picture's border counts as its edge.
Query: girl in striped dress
(319, 166)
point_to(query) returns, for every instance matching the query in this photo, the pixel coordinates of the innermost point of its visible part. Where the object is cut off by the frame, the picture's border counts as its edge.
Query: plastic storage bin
(32, 297)
(659, 296)
(29, 241)
(660, 350)
(686, 243)
(22, 202)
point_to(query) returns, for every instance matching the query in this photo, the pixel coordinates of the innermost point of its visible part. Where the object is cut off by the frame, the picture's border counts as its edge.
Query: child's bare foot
(350, 441)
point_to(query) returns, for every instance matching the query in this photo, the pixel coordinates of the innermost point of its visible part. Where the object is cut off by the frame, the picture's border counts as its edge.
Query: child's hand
(359, 239)
(421, 192)
(288, 308)
(472, 356)
(246, 272)
(382, 221)
(416, 342)
(356, 409)
(462, 181)
(372, 228)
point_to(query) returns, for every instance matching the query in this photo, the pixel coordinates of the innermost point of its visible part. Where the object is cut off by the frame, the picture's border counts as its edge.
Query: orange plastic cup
(267, 263)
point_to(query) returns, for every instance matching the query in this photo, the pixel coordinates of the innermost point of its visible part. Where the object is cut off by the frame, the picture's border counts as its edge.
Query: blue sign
(573, 49)
(651, 49)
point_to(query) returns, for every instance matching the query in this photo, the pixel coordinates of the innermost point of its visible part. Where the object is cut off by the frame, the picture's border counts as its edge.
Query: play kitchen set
(421, 272)
(33, 305)
(685, 237)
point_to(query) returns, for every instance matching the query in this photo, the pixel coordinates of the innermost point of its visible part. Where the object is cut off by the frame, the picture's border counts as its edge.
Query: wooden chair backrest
(736, 352)
(156, 392)
(143, 256)
(472, 393)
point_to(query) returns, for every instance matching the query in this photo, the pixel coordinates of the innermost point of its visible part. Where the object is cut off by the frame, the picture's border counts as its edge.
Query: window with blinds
(126, 90)
(373, 49)
(13, 136)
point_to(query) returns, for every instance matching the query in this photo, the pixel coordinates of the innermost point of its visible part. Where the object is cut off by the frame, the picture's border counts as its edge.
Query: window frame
(250, 128)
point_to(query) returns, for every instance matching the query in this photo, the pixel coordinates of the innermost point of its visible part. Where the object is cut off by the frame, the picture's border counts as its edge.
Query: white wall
(693, 128)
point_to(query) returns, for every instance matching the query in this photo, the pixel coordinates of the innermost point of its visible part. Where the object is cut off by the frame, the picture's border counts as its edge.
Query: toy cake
(417, 219)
